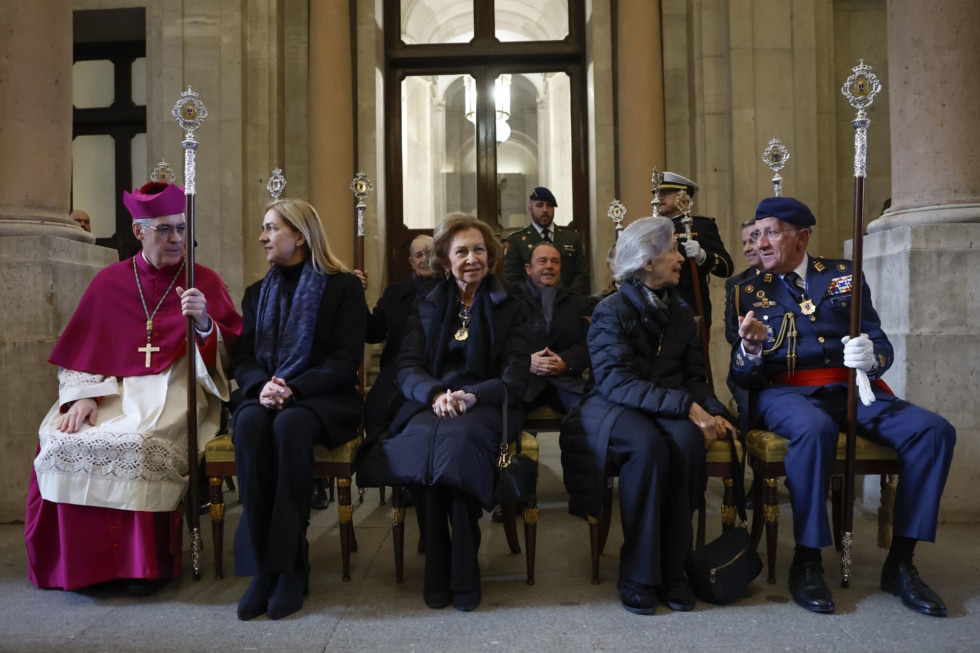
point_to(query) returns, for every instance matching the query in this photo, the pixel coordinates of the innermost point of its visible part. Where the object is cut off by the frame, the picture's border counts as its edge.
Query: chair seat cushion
(770, 447)
(720, 452)
(222, 450)
(529, 446)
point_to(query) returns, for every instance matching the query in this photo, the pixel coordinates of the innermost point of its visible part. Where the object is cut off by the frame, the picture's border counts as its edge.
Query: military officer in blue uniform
(793, 354)
(704, 246)
(574, 265)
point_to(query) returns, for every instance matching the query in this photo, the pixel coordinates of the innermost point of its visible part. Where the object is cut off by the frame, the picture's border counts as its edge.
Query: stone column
(331, 120)
(44, 259)
(35, 120)
(640, 113)
(920, 255)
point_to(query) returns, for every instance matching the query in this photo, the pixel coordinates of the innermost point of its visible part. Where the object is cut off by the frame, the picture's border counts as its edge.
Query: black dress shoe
(808, 587)
(497, 515)
(255, 600)
(318, 501)
(636, 597)
(903, 580)
(437, 600)
(677, 595)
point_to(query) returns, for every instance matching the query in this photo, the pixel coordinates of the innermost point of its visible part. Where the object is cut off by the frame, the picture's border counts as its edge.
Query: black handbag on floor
(517, 475)
(721, 570)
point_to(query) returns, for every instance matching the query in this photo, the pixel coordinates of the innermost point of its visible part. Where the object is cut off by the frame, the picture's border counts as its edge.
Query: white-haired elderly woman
(651, 412)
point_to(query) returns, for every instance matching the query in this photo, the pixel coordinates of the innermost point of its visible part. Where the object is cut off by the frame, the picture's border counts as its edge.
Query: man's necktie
(795, 281)
(546, 235)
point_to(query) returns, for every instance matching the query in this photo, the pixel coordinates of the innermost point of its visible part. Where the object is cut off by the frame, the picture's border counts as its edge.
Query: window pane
(538, 151)
(437, 21)
(138, 159)
(138, 69)
(438, 150)
(519, 20)
(92, 84)
(93, 182)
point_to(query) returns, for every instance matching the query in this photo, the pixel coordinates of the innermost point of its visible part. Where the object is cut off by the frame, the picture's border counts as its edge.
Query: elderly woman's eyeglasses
(164, 230)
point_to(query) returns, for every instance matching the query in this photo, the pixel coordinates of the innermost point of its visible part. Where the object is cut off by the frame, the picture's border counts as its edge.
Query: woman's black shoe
(287, 598)
(255, 600)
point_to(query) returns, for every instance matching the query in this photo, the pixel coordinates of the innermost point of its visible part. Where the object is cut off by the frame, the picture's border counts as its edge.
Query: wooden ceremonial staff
(190, 113)
(859, 89)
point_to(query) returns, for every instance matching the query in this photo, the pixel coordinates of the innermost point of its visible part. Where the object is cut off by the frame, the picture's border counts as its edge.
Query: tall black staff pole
(190, 113)
(859, 89)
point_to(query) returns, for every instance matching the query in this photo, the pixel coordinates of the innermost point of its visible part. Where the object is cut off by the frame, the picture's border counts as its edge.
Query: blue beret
(542, 194)
(787, 209)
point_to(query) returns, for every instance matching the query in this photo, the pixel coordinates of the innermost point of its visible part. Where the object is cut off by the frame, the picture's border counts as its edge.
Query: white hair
(641, 242)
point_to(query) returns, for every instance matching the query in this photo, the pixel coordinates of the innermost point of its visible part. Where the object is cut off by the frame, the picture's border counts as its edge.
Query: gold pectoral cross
(149, 350)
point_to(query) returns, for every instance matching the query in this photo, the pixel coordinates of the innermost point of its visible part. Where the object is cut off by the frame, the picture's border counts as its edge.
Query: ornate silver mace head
(776, 156)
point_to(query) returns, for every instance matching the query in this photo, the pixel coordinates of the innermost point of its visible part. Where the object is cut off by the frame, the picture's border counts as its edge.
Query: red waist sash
(822, 376)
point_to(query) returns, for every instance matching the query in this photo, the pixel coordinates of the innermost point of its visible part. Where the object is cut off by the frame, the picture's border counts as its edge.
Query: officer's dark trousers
(451, 563)
(812, 422)
(274, 460)
(662, 473)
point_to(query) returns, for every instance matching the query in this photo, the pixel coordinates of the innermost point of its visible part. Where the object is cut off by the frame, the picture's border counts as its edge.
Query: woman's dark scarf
(478, 344)
(284, 323)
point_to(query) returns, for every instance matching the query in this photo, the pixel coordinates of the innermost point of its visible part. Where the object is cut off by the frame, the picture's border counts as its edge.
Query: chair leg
(398, 533)
(531, 536)
(606, 517)
(509, 511)
(381, 491)
(889, 484)
(728, 508)
(594, 547)
(771, 507)
(217, 525)
(837, 509)
(758, 509)
(230, 482)
(328, 481)
(345, 516)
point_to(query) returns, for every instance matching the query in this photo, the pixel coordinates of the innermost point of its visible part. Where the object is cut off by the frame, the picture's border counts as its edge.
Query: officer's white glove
(859, 354)
(693, 250)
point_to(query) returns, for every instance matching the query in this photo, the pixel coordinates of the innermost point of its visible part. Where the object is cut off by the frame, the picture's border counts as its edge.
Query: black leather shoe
(636, 597)
(319, 499)
(677, 595)
(497, 515)
(145, 587)
(808, 587)
(255, 600)
(903, 580)
(437, 600)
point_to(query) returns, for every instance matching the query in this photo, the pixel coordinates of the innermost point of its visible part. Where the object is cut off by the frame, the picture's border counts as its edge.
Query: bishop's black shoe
(902, 579)
(808, 587)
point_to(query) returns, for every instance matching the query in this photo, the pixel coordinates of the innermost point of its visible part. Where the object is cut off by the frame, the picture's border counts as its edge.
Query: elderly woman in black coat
(296, 368)
(464, 360)
(651, 413)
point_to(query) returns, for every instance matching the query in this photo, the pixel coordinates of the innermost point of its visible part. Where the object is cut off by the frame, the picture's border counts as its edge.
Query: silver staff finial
(361, 186)
(776, 156)
(617, 213)
(685, 204)
(860, 90)
(277, 184)
(190, 112)
(163, 173)
(657, 178)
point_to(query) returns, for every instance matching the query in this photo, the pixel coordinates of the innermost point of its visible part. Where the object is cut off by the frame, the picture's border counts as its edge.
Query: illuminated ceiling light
(501, 96)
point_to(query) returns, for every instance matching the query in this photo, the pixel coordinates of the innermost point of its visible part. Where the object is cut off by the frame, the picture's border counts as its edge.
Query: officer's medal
(806, 306)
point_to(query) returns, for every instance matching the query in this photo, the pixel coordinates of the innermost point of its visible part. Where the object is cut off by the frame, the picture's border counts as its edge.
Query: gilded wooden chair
(766, 453)
(337, 463)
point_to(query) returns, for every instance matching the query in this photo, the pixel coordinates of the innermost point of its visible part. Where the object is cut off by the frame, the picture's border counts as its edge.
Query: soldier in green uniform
(574, 265)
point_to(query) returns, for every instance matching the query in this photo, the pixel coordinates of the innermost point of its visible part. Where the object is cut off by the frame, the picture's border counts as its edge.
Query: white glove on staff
(693, 250)
(859, 354)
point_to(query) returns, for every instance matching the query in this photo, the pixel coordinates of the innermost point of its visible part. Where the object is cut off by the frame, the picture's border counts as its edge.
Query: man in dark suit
(575, 267)
(557, 330)
(793, 354)
(750, 249)
(704, 246)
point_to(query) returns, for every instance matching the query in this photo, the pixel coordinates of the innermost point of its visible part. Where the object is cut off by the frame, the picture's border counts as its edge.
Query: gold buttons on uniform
(820, 339)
